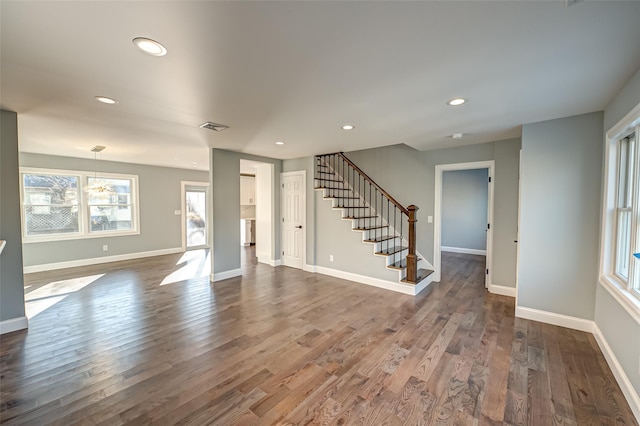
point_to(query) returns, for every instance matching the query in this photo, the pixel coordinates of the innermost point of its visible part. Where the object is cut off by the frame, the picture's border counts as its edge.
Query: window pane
(625, 172)
(51, 204)
(109, 191)
(110, 218)
(623, 236)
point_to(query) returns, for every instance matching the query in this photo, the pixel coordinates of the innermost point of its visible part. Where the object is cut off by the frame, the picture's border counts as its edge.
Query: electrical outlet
(105, 248)
(177, 212)
(429, 219)
(330, 258)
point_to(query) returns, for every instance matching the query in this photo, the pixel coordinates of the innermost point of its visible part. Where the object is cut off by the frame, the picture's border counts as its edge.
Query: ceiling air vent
(213, 126)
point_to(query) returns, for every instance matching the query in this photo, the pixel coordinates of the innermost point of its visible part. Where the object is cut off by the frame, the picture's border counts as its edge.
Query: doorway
(438, 214)
(195, 216)
(293, 198)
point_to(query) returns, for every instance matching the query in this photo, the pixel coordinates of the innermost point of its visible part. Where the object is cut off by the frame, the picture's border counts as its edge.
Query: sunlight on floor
(197, 265)
(42, 298)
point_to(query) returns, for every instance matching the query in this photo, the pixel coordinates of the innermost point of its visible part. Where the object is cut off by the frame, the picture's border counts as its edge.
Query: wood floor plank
(127, 345)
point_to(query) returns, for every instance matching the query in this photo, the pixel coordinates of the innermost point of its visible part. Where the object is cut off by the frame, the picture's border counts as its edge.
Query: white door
(194, 215)
(293, 219)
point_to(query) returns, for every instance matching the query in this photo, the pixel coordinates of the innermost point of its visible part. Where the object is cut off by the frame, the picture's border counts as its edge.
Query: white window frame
(83, 206)
(620, 289)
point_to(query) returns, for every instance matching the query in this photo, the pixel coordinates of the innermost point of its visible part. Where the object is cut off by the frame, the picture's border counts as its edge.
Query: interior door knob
(299, 226)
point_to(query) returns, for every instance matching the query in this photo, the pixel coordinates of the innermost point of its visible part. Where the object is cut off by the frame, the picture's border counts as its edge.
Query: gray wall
(160, 228)
(11, 278)
(225, 191)
(409, 175)
(560, 179)
(620, 330)
(464, 208)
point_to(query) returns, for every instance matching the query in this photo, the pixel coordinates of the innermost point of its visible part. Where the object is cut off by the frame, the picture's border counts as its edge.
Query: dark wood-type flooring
(282, 346)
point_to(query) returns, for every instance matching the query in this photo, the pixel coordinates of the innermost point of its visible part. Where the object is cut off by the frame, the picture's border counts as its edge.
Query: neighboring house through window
(60, 204)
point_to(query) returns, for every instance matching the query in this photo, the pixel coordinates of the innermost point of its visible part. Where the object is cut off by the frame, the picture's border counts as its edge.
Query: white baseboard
(502, 290)
(463, 250)
(270, 262)
(554, 319)
(99, 260)
(623, 380)
(14, 324)
(309, 268)
(375, 282)
(232, 273)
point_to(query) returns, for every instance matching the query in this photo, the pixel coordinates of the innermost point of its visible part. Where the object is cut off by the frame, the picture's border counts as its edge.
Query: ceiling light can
(279, 143)
(456, 101)
(150, 46)
(348, 127)
(105, 100)
(457, 136)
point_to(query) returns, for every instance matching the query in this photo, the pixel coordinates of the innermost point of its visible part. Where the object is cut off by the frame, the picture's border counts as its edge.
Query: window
(60, 205)
(620, 254)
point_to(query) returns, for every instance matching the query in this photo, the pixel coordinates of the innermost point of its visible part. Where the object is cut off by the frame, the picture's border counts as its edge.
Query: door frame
(437, 213)
(303, 210)
(183, 211)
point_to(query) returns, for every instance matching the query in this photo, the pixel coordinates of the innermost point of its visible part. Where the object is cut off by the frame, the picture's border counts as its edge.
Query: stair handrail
(410, 212)
(372, 182)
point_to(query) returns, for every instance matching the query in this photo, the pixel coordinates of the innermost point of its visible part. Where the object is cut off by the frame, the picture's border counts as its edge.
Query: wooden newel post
(412, 260)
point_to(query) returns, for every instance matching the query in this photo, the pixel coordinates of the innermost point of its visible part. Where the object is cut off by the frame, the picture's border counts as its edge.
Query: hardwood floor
(135, 343)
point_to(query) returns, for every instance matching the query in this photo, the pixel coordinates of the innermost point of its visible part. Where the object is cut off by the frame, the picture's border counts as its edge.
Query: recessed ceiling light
(106, 100)
(149, 46)
(348, 127)
(279, 143)
(457, 136)
(456, 101)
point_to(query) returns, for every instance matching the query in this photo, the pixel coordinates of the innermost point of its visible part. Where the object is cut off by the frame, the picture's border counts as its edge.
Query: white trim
(3, 243)
(618, 372)
(437, 212)
(232, 273)
(630, 303)
(98, 260)
(303, 210)
(270, 262)
(502, 290)
(632, 119)
(463, 250)
(309, 268)
(618, 290)
(555, 319)
(376, 282)
(14, 324)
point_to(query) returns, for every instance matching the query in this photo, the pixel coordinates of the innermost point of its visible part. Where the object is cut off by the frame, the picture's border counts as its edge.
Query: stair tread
(400, 265)
(422, 274)
(351, 207)
(368, 228)
(330, 187)
(359, 217)
(328, 180)
(392, 250)
(380, 239)
(342, 198)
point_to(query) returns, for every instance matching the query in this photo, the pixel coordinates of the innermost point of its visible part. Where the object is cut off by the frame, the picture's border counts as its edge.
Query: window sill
(68, 237)
(629, 301)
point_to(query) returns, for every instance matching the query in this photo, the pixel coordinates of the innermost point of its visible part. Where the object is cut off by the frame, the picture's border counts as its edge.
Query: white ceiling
(297, 71)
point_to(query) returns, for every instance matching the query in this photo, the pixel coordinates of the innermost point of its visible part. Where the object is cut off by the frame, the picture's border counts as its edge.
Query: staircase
(384, 223)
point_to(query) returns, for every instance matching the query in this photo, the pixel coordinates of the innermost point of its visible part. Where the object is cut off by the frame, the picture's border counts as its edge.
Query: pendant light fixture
(98, 186)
